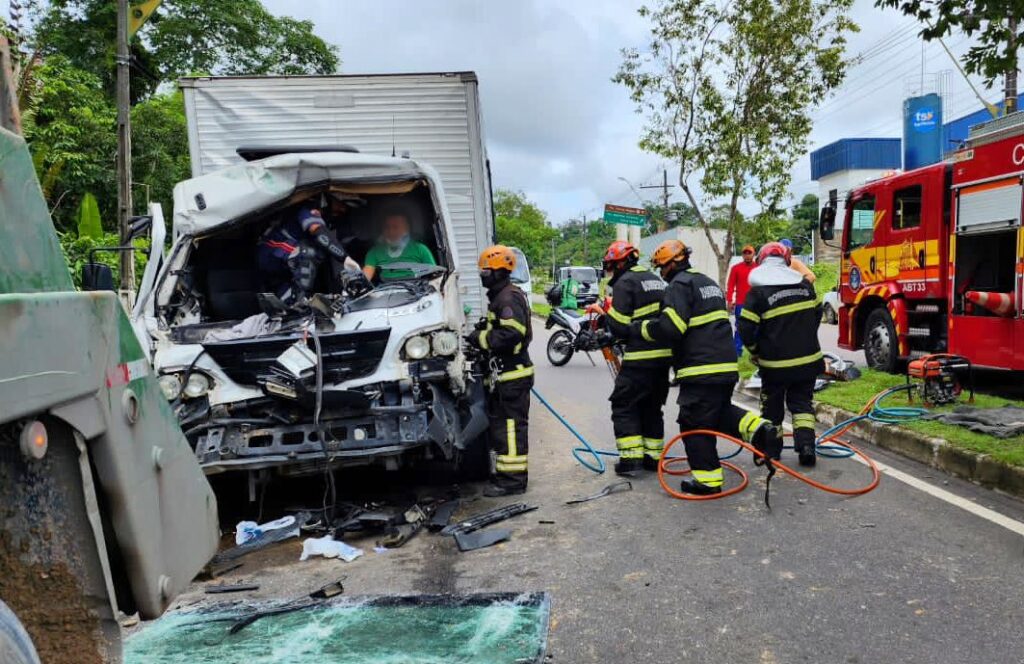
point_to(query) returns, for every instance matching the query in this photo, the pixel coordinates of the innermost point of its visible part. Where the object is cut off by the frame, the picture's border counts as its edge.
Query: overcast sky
(557, 128)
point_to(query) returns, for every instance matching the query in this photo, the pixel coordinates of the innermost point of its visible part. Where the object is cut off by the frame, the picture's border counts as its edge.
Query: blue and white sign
(924, 120)
(922, 131)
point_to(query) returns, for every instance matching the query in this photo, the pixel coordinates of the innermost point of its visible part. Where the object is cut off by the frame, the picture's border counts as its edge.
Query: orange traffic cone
(1000, 304)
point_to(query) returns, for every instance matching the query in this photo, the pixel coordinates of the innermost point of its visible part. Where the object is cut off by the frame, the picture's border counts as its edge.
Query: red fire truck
(933, 259)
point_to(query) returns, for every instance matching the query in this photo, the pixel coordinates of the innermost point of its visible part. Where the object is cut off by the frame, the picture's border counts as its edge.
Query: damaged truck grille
(346, 355)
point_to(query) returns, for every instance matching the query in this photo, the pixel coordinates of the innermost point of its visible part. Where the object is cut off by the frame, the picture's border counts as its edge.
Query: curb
(980, 469)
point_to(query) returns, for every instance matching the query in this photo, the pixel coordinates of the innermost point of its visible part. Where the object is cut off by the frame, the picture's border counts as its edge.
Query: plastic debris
(328, 547)
(247, 531)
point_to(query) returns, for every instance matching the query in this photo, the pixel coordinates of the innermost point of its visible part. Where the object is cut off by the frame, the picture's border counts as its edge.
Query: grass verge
(541, 308)
(854, 395)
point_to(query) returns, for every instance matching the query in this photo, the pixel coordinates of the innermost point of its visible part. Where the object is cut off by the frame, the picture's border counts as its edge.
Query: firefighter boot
(767, 440)
(650, 463)
(698, 489)
(628, 466)
(498, 488)
(803, 443)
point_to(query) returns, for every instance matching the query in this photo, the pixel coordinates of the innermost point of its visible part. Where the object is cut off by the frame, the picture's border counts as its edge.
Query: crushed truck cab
(375, 378)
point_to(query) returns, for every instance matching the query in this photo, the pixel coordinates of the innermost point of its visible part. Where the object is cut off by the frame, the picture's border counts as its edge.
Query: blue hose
(831, 449)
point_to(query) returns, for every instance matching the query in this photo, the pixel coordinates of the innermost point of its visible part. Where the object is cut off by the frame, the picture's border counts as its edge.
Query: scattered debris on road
(614, 487)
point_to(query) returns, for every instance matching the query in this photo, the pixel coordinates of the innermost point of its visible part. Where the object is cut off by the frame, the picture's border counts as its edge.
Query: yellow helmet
(497, 257)
(669, 251)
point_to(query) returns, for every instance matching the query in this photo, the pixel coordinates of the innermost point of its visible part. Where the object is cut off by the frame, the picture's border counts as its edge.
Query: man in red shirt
(739, 284)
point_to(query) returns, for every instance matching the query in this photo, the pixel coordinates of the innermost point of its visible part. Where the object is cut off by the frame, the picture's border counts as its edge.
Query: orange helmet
(497, 257)
(618, 251)
(669, 251)
(775, 249)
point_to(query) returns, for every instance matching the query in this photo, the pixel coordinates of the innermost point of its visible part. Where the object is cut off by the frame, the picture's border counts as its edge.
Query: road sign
(617, 214)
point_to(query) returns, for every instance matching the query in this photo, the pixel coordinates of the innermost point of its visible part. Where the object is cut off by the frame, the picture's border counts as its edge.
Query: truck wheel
(881, 347)
(15, 645)
(560, 348)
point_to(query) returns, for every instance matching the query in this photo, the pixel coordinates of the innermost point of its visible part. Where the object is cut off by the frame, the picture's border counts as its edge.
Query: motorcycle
(580, 333)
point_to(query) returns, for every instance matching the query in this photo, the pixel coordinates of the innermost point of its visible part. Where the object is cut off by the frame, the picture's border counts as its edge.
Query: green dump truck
(103, 507)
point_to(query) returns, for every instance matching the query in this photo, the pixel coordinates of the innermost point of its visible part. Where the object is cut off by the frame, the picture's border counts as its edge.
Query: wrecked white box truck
(378, 378)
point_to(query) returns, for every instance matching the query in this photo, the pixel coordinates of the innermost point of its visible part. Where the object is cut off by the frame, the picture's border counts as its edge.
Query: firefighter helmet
(618, 251)
(497, 257)
(776, 249)
(669, 251)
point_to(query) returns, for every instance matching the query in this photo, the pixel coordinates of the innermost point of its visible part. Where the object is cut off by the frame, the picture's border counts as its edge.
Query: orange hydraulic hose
(665, 463)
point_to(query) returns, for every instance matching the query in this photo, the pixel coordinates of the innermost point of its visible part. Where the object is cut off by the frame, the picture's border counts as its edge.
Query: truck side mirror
(97, 277)
(827, 223)
(138, 225)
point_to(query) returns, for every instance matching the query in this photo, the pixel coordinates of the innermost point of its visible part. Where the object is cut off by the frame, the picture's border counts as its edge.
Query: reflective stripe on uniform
(646, 354)
(651, 308)
(804, 420)
(787, 309)
(704, 319)
(679, 322)
(750, 315)
(748, 425)
(705, 369)
(630, 447)
(710, 478)
(644, 333)
(514, 324)
(510, 436)
(483, 339)
(620, 317)
(785, 364)
(506, 463)
(653, 446)
(519, 372)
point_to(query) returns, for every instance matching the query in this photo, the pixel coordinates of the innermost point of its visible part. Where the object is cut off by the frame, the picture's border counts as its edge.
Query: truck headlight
(197, 385)
(446, 342)
(417, 348)
(170, 385)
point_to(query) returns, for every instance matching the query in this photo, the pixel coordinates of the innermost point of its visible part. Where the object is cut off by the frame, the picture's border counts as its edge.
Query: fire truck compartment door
(989, 206)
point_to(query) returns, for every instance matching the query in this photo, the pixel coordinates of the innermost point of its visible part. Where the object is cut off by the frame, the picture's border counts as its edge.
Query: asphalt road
(898, 575)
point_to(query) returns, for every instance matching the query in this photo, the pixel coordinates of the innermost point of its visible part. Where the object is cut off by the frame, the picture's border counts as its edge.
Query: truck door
(906, 250)
(862, 265)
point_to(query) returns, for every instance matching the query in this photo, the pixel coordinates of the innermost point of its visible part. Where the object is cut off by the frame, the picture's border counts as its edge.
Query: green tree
(804, 223)
(726, 89)
(160, 157)
(680, 214)
(229, 37)
(520, 223)
(69, 125)
(996, 25)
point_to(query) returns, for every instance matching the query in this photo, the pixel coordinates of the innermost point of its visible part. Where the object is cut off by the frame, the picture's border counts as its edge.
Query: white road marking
(977, 510)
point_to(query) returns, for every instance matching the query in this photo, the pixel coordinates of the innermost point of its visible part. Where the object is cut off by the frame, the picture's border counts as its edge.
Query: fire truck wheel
(881, 347)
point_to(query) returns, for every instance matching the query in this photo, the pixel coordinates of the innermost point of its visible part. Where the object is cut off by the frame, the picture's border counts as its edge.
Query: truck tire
(881, 347)
(15, 644)
(560, 348)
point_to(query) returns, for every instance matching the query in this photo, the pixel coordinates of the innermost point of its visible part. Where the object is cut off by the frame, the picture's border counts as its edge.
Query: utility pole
(10, 117)
(124, 146)
(586, 254)
(1010, 103)
(664, 186)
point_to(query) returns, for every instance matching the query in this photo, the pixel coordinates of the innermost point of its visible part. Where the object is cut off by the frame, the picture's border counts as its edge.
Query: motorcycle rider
(506, 334)
(641, 385)
(694, 321)
(779, 326)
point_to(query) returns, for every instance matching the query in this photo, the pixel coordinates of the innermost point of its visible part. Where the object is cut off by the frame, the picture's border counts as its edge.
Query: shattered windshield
(391, 294)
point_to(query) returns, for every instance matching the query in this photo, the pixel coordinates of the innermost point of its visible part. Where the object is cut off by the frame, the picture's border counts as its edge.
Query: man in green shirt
(570, 289)
(395, 246)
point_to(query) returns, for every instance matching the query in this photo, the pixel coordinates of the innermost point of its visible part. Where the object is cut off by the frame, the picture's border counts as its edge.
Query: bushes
(76, 251)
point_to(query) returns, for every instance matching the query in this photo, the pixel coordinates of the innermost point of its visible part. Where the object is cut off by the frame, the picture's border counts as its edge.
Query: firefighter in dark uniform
(642, 384)
(289, 254)
(505, 335)
(694, 321)
(779, 327)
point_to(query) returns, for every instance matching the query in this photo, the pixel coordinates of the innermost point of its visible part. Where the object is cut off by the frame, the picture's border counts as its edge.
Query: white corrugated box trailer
(434, 118)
